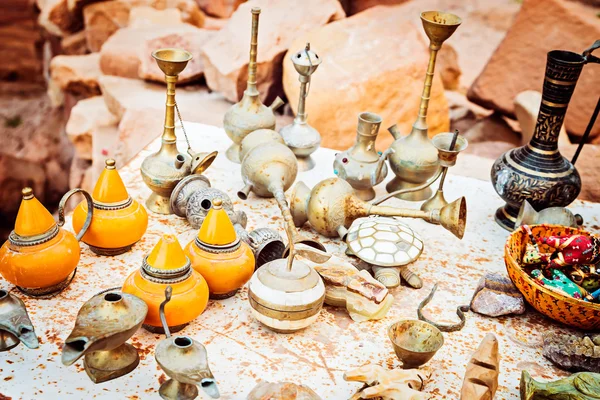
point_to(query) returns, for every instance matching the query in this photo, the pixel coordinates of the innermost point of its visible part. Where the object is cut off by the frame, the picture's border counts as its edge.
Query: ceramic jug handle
(587, 53)
(90, 213)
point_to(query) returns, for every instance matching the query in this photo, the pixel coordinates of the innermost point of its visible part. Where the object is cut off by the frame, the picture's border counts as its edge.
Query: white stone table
(242, 352)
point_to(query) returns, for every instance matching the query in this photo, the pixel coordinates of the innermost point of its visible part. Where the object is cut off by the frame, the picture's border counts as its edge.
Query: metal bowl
(415, 342)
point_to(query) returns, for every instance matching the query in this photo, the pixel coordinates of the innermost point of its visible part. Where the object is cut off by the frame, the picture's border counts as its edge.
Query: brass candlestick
(250, 113)
(414, 159)
(299, 136)
(163, 170)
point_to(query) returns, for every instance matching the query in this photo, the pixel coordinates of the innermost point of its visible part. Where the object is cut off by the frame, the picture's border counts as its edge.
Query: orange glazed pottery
(225, 261)
(567, 310)
(165, 266)
(119, 221)
(39, 257)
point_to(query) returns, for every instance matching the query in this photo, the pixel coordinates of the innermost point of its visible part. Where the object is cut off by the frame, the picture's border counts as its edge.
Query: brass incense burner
(332, 206)
(185, 361)
(103, 325)
(163, 170)
(361, 165)
(15, 325)
(414, 159)
(415, 342)
(250, 113)
(302, 138)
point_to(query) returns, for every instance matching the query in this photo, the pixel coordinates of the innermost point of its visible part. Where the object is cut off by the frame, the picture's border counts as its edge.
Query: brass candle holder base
(50, 291)
(175, 390)
(398, 184)
(102, 366)
(506, 216)
(222, 296)
(101, 251)
(305, 163)
(365, 194)
(159, 204)
(233, 153)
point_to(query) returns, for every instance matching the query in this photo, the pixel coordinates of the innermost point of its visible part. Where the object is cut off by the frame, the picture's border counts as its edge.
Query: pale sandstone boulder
(520, 61)
(226, 56)
(77, 74)
(138, 128)
(148, 16)
(215, 24)
(128, 53)
(21, 44)
(105, 18)
(219, 8)
(360, 72)
(74, 44)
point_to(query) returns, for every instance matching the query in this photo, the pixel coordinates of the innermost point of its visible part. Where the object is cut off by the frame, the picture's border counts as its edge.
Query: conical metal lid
(110, 189)
(217, 229)
(33, 219)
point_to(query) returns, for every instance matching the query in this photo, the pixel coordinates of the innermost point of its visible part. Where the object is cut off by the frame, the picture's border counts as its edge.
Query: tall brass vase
(537, 172)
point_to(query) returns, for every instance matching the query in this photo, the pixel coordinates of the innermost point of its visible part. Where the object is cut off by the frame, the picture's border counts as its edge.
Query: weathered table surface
(242, 352)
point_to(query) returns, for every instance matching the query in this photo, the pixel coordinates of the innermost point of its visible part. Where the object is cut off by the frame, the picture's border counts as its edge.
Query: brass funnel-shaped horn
(172, 61)
(453, 217)
(439, 26)
(201, 161)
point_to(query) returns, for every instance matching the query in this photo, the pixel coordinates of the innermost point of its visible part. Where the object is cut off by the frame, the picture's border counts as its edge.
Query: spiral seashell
(388, 276)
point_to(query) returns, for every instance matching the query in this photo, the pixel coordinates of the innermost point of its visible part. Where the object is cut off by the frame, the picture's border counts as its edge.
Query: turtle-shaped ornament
(385, 242)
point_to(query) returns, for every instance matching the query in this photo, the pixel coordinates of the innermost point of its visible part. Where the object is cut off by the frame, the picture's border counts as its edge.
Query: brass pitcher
(249, 114)
(163, 170)
(361, 165)
(414, 159)
(15, 325)
(332, 206)
(302, 138)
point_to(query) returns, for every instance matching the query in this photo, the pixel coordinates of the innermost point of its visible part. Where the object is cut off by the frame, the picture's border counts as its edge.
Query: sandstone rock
(491, 150)
(128, 52)
(588, 167)
(492, 128)
(574, 353)
(367, 74)
(496, 295)
(219, 8)
(105, 18)
(447, 62)
(215, 24)
(148, 16)
(541, 26)
(356, 6)
(22, 44)
(527, 106)
(77, 74)
(74, 44)
(138, 128)
(463, 113)
(226, 56)
(79, 167)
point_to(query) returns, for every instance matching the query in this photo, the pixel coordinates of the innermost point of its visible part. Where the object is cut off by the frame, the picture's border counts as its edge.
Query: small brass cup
(415, 342)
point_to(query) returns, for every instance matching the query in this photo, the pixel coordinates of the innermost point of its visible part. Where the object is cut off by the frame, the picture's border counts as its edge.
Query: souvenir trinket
(573, 353)
(570, 250)
(559, 282)
(495, 296)
(414, 159)
(537, 172)
(184, 190)
(281, 391)
(579, 386)
(167, 265)
(357, 291)
(415, 342)
(361, 165)
(250, 113)
(40, 257)
(586, 276)
(219, 255)
(103, 326)
(460, 312)
(552, 215)
(185, 361)
(163, 170)
(395, 384)
(332, 206)
(299, 136)
(15, 325)
(119, 221)
(481, 377)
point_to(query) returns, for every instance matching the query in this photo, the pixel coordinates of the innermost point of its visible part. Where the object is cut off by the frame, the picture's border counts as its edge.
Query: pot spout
(244, 192)
(74, 349)
(395, 131)
(276, 103)
(375, 176)
(15, 323)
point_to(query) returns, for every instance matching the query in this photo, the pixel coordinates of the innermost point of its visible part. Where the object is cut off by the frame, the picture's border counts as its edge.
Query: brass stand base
(8, 341)
(101, 251)
(506, 217)
(159, 204)
(50, 291)
(305, 163)
(233, 153)
(161, 330)
(436, 202)
(397, 184)
(365, 194)
(102, 366)
(174, 390)
(222, 296)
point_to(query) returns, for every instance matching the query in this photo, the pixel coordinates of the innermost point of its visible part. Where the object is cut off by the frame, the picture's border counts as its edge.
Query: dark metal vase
(537, 172)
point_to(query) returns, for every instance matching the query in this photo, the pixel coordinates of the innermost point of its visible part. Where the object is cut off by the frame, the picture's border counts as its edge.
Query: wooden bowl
(567, 310)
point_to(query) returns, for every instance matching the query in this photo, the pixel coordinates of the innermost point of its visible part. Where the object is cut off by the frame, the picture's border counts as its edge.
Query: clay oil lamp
(332, 206)
(39, 257)
(219, 255)
(103, 326)
(299, 136)
(185, 361)
(250, 113)
(167, 265)
(163, 170)
(414, 159)
(119, 221)
(15, 325)
(361, 165)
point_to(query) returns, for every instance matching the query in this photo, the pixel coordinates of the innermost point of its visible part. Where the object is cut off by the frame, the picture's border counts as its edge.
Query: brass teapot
(40, 257)
(15, 325)
(361, 165)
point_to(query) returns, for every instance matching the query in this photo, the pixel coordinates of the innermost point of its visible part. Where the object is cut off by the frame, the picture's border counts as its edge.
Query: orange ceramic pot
(119, 221)
(165, 266)
(225, 261)
(567, 310)
(39, 257)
